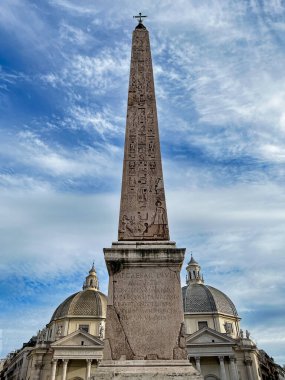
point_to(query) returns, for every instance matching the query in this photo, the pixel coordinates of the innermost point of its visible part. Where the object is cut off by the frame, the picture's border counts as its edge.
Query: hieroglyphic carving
(143, 210)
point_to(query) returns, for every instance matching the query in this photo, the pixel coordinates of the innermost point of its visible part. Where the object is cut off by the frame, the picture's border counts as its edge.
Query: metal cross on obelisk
(139, 17)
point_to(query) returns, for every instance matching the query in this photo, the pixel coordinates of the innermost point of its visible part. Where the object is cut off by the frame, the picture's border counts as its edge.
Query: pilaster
(222, 368)
(53, 369)
(64, 368)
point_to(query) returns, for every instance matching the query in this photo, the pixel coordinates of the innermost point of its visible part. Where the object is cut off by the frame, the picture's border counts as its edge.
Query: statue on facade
(228, 328)
(101, 330)
(59, 331)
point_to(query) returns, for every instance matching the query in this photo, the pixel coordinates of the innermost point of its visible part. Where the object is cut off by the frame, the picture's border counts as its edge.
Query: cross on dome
(93, 268)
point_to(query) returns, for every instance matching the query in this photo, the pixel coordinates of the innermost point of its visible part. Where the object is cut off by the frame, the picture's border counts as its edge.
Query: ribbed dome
(89, 302)
(201, 298)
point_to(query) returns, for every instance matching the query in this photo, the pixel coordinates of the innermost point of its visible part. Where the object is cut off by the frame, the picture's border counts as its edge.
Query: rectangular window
(202, 324)
(84, 328)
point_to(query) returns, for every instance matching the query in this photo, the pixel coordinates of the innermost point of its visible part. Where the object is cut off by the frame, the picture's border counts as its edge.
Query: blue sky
(220, 88)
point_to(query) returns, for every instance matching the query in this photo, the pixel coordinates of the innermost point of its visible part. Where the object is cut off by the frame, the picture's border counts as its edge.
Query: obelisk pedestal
(145, 334)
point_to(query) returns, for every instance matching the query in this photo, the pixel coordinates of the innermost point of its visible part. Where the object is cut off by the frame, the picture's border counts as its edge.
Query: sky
(220, 89)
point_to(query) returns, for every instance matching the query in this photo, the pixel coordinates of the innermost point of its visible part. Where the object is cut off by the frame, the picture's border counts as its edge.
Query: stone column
(38, 368)
(233, 368)
(88, 368)
(222, 368)
(53, 369)
(248, 364)
(64, 368)
(198, 365)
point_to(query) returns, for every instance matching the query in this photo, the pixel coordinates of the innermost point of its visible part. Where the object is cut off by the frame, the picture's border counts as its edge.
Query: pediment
(76, 338)
(207, 336)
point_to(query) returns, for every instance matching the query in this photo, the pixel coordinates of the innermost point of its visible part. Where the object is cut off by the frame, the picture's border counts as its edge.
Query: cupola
(194, 272)
(91, 281)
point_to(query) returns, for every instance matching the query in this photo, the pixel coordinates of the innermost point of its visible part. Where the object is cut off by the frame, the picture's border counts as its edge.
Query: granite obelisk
(145, 336)
(143, 213)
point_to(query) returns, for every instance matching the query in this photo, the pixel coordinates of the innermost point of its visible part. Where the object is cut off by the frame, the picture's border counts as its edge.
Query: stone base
(146, 369)
(144, 312)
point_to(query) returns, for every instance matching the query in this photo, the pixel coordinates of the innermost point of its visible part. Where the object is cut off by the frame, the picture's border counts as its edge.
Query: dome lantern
(91, 281)
(201, 298)
(194, 272)
(88, 302)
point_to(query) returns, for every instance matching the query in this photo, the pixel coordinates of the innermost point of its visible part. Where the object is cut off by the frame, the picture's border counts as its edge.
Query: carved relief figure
(141, 138)
(142, 179)
(131, 116)
(140, 86)
(131, 98)
(150, 130)
(158, 185)
(142, 194)
(141, 148)
(127, 226)
(132, 181)
(142, 223)
(152, 167)
(141, 115)
(159, 219)
(142, 166)
(151, 148)
(132, 148)
(141, 99)
(142, 130)
(132, 167)
(140, 67)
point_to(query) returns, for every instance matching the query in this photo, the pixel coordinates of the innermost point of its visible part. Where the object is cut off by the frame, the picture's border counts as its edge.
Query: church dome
(88, 302)
(201, 298)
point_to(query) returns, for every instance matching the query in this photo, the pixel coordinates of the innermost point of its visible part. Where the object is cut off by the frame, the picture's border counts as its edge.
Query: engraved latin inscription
(146, 302)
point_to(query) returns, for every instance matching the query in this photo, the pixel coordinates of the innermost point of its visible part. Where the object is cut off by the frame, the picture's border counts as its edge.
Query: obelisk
(143, 213)
(145, 335)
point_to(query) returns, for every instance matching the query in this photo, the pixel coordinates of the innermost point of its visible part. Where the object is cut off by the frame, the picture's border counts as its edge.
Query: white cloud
(55, 233)
(273, 152)
(104, 122)
(98, 74)
(8, 79)
(22, 21)
(29, 149)
(73, 35)
(72, 6)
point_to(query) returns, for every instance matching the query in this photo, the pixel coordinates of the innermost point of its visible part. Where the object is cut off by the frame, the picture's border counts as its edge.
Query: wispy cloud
(31, 151)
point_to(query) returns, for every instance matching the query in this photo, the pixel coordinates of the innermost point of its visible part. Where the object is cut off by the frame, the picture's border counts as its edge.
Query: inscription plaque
(142, 298)
(145, 303)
